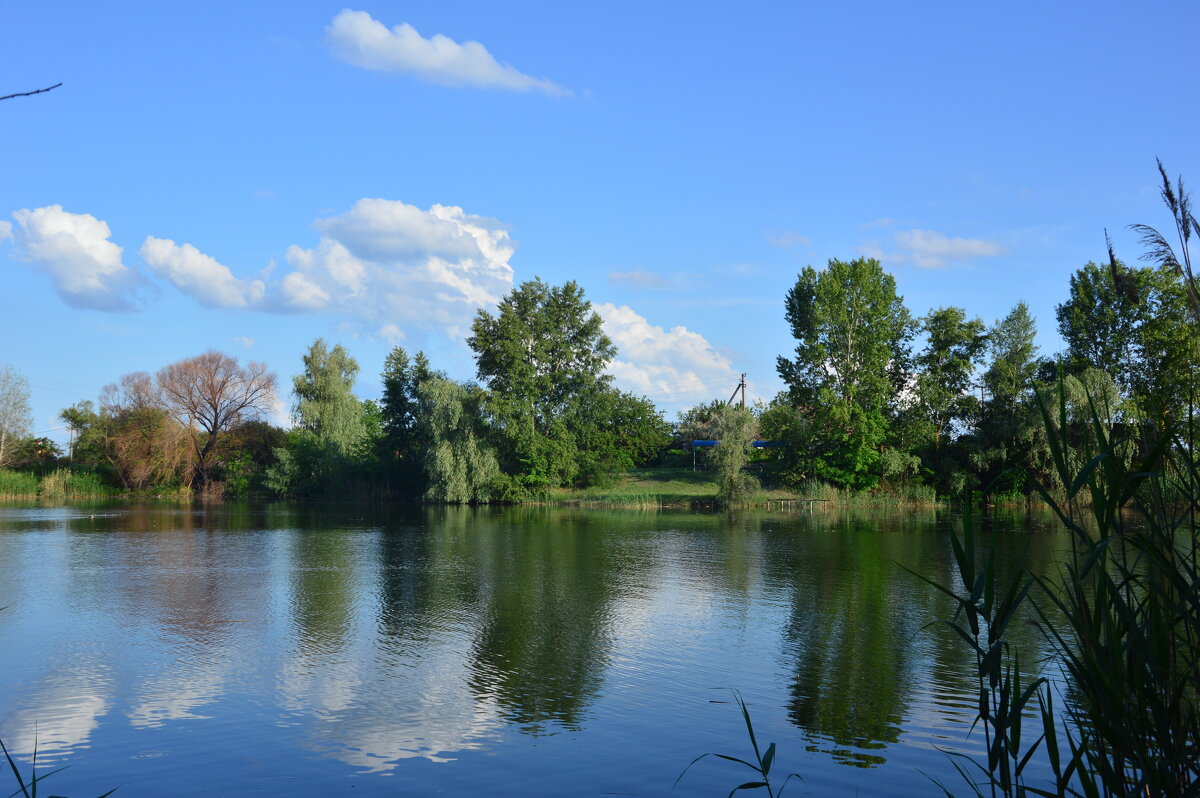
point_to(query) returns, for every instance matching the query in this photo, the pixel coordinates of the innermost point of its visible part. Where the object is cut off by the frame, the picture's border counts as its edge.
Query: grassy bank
(57, 485)
(654, 488)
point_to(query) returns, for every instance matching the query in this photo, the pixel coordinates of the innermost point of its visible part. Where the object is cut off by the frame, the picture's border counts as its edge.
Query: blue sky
(249, 177)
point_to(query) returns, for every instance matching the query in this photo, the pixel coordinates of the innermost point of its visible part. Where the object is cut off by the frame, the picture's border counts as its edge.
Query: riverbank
(638, 489)
(682, 488)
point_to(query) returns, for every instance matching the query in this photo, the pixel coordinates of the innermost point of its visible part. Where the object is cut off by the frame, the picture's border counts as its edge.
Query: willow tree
(852, 336)
(735, 429)
(460, 467)
(330, 424)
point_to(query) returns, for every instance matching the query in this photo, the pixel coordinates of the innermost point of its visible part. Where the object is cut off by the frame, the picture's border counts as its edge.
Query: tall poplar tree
(542, 357)
(852, 356)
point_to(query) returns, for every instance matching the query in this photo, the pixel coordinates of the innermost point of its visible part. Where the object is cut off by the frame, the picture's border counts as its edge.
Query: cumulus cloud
(932, 250)
(388, 263)
(75, 250)
(676, 368)
(359, 39)
(200, 276)
(5, 230)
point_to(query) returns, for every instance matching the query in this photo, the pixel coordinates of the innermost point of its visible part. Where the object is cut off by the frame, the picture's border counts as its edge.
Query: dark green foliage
(945, 369)
(401, 445)
(1132, 324)
(245, 453)
(945, 404)
(616, 431)
(1100, 319)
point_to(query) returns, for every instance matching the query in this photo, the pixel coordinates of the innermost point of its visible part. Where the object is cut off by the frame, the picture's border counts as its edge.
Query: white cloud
(5, 230)
(200, 276)
(359, 39)
(884, 222)
(244, 341)
(383, 264)
(676, 368)
(75, 250)
(641, 279)
(932, 250)
(928, 249)
(789, 239)
(388, 264)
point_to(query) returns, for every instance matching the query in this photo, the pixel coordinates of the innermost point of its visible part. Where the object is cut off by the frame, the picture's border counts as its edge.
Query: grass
(57, 485)
(17, 485)
(674, 487)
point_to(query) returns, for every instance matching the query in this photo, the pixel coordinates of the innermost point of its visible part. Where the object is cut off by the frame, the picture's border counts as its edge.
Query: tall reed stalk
(1122, 616)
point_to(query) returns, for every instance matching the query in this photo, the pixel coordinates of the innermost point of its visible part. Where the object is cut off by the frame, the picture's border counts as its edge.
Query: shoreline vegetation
(654, 488)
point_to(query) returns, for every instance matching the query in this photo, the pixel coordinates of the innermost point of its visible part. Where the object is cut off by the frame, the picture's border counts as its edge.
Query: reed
(986, 605)
(27, 785)
(761, 765)
(1129, 603)
(17, 485)
(1122, 617)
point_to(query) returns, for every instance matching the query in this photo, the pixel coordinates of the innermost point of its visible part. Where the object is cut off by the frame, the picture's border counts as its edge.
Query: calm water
(253, 650)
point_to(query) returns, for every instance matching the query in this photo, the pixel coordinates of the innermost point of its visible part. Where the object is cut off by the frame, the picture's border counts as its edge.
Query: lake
(232, 649)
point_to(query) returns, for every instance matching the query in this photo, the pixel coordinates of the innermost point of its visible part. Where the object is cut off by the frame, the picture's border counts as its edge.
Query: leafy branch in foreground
(763, 760)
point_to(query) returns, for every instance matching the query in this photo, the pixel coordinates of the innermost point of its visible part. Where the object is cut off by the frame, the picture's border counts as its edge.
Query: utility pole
(741, 387)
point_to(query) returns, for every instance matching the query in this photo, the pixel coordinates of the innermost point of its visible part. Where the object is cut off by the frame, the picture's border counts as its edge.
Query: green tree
(401, 444)
(15, 419)
(944, 402)
(460, 467)
(1007, 432)
(698, 422)
(1132, 324)
(326, 406)
(1100, 318)
(331, 425)
(83, 422)
(736, 428)
(615, 431)
(541, 356)
(851, 360)
(946, 366)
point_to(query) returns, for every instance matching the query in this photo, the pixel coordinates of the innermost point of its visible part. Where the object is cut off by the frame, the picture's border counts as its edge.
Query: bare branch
(29, 93)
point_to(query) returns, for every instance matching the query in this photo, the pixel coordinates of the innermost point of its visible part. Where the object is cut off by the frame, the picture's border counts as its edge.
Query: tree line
(940, 405)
